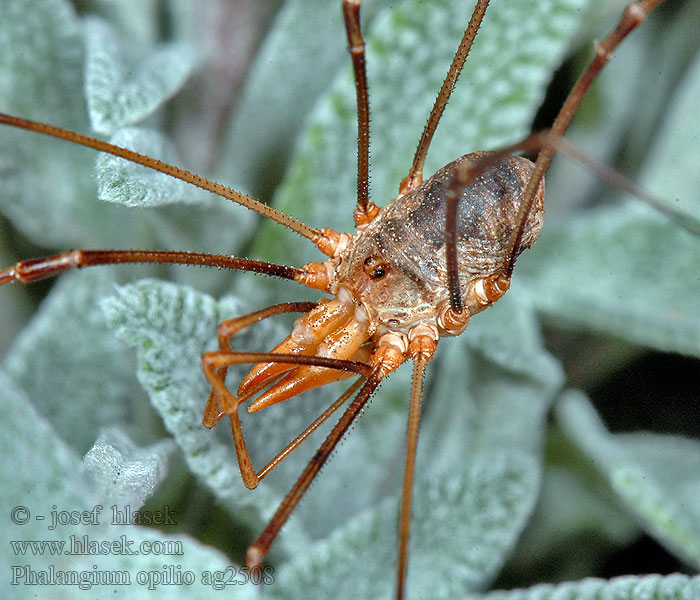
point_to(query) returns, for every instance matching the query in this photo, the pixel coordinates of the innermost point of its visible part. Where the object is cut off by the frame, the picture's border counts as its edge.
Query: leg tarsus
(261, 546)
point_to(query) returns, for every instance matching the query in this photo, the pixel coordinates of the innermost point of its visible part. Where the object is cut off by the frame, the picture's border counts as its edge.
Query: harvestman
(414, 271)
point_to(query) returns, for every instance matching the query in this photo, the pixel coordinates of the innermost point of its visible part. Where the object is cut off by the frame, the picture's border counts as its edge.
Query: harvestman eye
(375, 269)
(379, 272)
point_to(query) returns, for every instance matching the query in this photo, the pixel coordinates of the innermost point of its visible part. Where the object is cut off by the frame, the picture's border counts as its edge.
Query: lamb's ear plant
(101, 393)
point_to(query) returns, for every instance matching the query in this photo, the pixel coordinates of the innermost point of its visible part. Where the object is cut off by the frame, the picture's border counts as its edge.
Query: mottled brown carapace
(404, 247)
(415, 270)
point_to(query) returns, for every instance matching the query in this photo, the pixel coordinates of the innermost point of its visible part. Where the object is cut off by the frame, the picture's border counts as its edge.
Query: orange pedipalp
(263, 373)
(309, 330)
(341, 343)
(300, 380)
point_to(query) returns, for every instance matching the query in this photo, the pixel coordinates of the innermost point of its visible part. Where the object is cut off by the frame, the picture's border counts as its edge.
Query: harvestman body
(416, 270)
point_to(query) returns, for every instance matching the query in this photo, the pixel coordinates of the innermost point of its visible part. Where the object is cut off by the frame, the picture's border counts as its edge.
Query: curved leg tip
(254, 557)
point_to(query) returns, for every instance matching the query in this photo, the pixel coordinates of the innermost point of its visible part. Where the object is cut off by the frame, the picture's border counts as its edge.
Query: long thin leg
(548, 143)
(312, 275)
(414, 414)
(622, 183)
(297, 441)
(495, 285)
(157, 165)
(260, 547)
(415, 174)
(28, 271)
(214, 362)
(633, 15)
(325, 239)
(462, 178)
(366, 210)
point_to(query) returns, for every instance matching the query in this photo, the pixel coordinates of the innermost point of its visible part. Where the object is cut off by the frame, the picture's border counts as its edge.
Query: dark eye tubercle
(374, 269)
